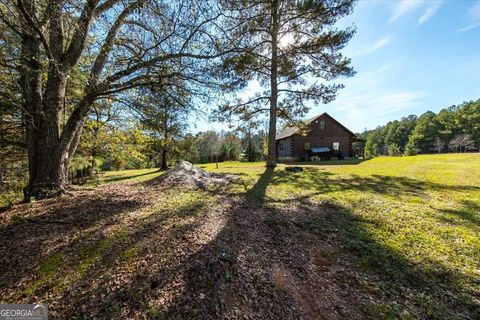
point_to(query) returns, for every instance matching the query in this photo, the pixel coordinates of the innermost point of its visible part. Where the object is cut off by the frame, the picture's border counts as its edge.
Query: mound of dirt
(186, 175)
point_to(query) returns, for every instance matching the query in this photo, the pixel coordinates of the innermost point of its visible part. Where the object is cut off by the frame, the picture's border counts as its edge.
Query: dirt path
(135, 252)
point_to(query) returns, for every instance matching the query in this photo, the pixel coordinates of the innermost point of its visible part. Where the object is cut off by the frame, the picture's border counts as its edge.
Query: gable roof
(290, 131)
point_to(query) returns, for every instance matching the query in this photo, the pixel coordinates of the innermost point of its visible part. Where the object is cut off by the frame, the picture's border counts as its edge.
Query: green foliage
(252, 152)
(393, 149)
(231, 148)
(371, 148)
(164, 114)
(423, 135)
(428, 133)
(411, 149)
(111, 148)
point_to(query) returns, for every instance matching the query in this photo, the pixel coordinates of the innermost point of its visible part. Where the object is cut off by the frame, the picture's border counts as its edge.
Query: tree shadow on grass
(469, 213)
(399, 287)
(34, 230)
(259, 189)
(119, 177)
(312, 261)
(85, 277)
(322, 181)
(204, 256)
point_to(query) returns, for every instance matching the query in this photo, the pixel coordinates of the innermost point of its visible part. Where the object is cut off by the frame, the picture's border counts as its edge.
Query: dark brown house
(324, 138)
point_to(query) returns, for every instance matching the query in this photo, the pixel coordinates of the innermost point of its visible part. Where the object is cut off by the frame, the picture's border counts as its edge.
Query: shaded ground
(139, 251)
(107, 254)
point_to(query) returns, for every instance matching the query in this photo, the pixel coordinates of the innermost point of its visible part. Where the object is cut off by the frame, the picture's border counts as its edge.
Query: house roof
(290, 131)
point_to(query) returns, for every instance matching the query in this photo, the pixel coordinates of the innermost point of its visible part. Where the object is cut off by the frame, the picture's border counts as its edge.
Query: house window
(322, 125)
(336, 146)
(307, 146)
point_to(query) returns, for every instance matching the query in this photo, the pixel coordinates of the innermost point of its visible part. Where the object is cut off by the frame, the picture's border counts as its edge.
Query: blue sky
(410, 56)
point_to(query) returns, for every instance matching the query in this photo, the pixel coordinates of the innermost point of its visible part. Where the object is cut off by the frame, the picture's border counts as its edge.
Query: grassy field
(412, 225)
(390, 237)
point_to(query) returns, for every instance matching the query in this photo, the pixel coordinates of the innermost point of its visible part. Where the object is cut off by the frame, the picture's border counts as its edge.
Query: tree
(439, 144)
(123, 44)
(462, 143)
(468, 116)
(393, 149)
(422, 137)
(231, 148)
(371, 149)
(374, 143)
(411, 149)
(397, 132)
(426, 134)
(163, 110)
(252, 152)
(448, 126)
(95, 141)
(288, 46)
(188, 149)
(12, 130)
(210, 146)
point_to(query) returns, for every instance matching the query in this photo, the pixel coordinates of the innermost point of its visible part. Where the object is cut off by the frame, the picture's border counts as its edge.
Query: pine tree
(292, 49)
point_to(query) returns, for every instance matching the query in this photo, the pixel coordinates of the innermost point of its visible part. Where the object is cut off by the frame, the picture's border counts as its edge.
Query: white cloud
(404, 7)
(474, 16)
(380, 43)
(429, 12)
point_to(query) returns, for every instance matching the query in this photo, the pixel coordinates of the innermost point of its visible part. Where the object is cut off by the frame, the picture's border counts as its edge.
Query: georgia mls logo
(23, 311)
(40, 311)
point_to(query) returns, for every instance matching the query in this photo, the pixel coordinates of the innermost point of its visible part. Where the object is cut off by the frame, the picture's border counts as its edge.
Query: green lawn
(411, 225)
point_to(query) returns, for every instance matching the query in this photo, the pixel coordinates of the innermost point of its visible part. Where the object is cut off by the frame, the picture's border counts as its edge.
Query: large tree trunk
(46, 163)
(164, 159)
(31, 83)
(272, 128)
(48, 171)
(48, 158)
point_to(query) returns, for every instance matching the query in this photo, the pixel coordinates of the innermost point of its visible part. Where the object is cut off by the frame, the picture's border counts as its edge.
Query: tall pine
(292, 48)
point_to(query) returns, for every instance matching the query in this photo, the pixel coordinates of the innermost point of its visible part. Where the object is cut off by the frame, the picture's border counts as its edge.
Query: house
(323, 139)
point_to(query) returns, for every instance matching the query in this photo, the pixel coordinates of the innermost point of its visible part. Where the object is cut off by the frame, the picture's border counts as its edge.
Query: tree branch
(109, 40)
(77, 44)
(35, 28)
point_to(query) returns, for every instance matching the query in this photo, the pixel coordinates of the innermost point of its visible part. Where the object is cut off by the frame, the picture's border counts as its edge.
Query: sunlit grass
(424, 209)
(138, 175)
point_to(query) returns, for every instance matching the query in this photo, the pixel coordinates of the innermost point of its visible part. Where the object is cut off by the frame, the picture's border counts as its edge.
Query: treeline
(114, 147)
(453, 129)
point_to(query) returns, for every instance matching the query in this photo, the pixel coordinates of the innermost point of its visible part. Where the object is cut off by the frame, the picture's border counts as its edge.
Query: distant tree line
(453, 129)
(107, 145)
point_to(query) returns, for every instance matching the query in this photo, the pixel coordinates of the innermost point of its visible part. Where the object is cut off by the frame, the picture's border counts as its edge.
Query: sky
(410, 56)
